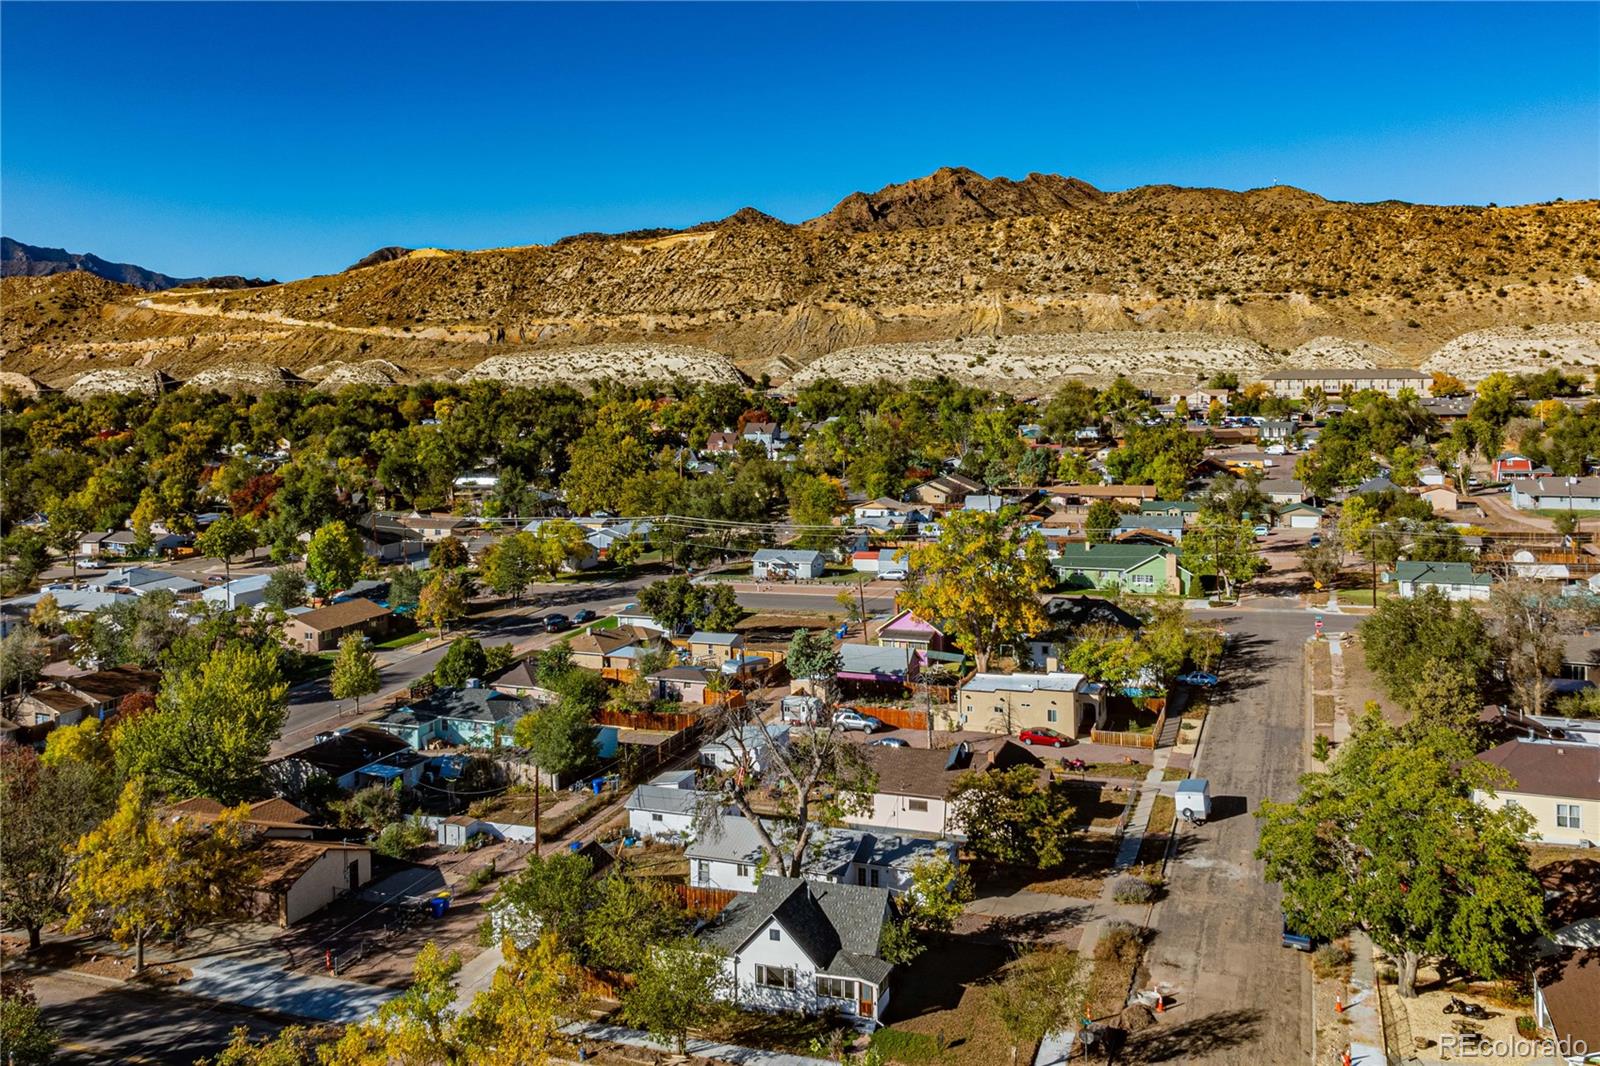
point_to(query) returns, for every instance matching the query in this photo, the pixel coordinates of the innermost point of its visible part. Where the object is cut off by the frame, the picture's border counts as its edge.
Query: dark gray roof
(463, 705)
(839, 927)
(661, 798)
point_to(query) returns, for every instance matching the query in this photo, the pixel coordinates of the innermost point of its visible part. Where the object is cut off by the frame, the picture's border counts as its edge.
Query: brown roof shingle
(341, 615)
(1566, 771)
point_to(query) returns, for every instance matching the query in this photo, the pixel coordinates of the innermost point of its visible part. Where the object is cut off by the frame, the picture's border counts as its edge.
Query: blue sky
(292, 139)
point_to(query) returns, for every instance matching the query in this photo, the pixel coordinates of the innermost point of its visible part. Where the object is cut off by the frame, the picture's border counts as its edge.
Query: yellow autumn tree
(980, 581)
(140, 875)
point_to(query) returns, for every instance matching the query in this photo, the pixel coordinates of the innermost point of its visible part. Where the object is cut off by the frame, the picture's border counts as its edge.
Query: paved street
(1241, 997)
(101, 1022)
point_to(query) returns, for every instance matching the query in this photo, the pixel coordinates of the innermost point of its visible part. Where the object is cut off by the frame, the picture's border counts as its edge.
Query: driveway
(1241, 997)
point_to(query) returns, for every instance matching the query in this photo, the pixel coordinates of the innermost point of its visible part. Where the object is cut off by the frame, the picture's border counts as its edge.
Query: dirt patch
(1323, 707)
(1099, 807)
(941, 995)
(1362, 687)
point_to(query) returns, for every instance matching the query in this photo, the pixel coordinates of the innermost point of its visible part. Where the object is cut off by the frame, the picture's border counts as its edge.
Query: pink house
(906, 630)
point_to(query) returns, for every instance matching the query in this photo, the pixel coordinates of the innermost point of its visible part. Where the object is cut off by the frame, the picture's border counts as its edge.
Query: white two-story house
(797, 945)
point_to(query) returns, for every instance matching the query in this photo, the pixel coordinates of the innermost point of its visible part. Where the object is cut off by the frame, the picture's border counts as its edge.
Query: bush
(1119, 941)
(1329, 959)
(1527, 1028)
(399, 839)
(478, 878)
(1132, 890)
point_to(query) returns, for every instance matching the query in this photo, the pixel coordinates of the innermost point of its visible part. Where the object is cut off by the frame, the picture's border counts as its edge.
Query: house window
(774, 934)
(775, 977)
(742, 869)
(704, 872)
(1050, 715)
(874, 878)
(836, 988)
(1143, 580)
(917, 805)
(655, 817)
(1568, 816)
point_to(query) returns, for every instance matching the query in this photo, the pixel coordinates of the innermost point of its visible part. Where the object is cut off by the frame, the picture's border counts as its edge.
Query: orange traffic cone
(1338, 1005)
(1161, 1004)
(1345, 1058)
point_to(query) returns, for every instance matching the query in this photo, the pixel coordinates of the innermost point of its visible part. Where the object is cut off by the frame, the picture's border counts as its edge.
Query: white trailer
(1194, 800)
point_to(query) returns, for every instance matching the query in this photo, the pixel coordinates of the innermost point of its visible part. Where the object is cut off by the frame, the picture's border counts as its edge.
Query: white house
(240, 592)
(1556, 494)
(664, 808)
(786, 564)
(892, 512)
(799, 945)
(728, 854)
(914, 783)
(1458, 581)
(142, 579)
(750, 744)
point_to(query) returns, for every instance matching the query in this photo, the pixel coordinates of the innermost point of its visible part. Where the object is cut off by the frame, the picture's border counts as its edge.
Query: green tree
(1105, 652)
(443, 600)
(674, 603)
(25, 1037)
(23, 653)
(551, 895)
(1391, 840)
(627, 920)
(47, 806)
(419, 1027)
(139, 875)
(286, 588)
(1223, 548)
(981, 581)
(1525, 622)
(681, 987)
(355, 670)
(465, 658)
(226, 538)
(211, 729)
(1406, 637)
(813, 658)
(511, 564)
(561, 738)
(940, 892)
(1098, 523)
(405, 587)
(334, 558)
(1009, 817)
(27, 555)
(720, 610)
(1040, 993)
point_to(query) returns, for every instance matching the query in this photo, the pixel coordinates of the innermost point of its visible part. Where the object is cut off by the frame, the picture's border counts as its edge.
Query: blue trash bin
(576, 845)
(438, 905)
(599, 784)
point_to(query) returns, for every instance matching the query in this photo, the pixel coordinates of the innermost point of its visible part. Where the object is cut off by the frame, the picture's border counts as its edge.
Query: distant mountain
(952, 195)
(382, 255)
(30, 260)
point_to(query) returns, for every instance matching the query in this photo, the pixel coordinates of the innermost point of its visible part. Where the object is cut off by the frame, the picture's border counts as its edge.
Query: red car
(1045, 736)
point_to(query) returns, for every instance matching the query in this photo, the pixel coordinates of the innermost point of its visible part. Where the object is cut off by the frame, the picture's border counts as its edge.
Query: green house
(1141, 569)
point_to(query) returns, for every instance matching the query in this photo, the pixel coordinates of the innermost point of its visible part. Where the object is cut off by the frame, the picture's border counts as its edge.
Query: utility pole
(861, 598)
(538, 833)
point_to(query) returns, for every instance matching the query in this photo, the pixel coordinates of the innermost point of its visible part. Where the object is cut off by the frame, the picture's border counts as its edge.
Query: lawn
(1363, 597)
(608, 622)
(403, 641)
(1133, 771)
(312, 667)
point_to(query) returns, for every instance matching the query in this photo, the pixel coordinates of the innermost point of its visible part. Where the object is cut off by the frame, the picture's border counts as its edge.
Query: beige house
(1442, 498)
(714, 649)
(947, 490)
(323, 628)
(615, 649)
(1009, 703)
(435, 527)
(1292, 384)
(914, 784)
(300, 877)
(1555, 781)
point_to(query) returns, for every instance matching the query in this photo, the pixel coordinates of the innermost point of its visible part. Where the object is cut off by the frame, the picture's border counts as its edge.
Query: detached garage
(1300, 516)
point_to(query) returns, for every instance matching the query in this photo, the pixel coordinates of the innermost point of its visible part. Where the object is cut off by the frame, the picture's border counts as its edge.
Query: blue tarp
(388, 773)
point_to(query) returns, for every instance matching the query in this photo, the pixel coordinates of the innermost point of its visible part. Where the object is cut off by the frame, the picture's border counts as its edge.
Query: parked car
(849, 718)
(1044, 736)
(889, 742)
(1315, 541)
(1261, 531)
(1199, 679)
(555, 623)
(583, 616)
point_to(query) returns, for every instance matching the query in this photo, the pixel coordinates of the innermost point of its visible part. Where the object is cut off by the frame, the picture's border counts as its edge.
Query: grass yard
(1363, 597)
(1133, 771)
(608, 622)
(403, 641)
(311, 668)
(1081, 876)
(774, 1032)
(1323, 708)
(1153, 848)
(940, 1008)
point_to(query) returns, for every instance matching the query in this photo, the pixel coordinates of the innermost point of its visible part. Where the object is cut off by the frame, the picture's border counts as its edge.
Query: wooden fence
(706, 900)
(899, 717)
(1118, 739)
(664, 722)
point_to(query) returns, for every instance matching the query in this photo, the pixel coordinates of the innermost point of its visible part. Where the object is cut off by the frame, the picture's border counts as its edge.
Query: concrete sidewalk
(265, 985)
